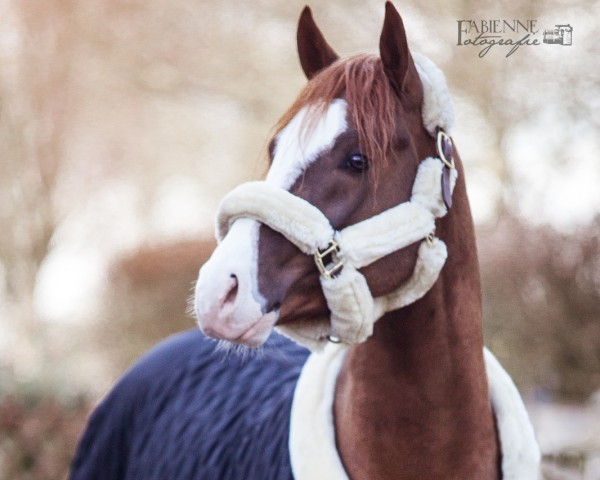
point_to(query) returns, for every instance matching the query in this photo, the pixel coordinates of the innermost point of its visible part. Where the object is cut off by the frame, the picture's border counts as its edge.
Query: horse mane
(373, 104)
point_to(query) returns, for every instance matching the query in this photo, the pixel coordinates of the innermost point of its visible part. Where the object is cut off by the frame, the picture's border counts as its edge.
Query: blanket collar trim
(312, 445)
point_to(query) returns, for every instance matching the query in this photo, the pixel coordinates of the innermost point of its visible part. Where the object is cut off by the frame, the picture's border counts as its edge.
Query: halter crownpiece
(339, 254)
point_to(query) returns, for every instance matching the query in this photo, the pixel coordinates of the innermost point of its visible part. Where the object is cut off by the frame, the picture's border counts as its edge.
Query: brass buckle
(430, 238)
(441, 137)
(334, 265)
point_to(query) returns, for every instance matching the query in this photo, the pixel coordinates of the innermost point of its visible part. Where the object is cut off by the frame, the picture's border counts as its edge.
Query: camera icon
(560, 35)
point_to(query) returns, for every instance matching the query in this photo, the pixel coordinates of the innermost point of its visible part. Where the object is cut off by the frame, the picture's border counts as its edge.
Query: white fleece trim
(365, 242)
(520, 451)
(313, 451)
(351, 304)
(353, 309)
(437, 108)
(427, 189)
(430, 261)
(362, 243)
(302, 223)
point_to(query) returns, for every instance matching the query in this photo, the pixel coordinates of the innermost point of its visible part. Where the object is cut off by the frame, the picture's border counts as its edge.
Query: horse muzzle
(227, 304)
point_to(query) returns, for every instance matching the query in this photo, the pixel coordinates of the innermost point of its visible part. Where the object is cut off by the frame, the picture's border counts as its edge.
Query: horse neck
(414, 398)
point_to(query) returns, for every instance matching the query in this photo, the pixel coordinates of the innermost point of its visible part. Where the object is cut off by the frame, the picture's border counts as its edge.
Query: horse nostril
(276, 306)
(233, 289)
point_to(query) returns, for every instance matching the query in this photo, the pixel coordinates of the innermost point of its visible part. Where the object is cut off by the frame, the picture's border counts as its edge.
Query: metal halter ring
(442, 138)
(429, 239)
(335, 265)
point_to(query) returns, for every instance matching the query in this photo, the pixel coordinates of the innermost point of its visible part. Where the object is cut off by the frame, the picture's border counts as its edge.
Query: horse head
(342, 228)
(356, 222)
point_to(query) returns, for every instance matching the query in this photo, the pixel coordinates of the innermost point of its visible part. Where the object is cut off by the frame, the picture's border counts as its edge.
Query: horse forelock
(373, 106)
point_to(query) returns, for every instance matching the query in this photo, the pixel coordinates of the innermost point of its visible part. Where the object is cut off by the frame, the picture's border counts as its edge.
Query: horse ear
(395, 55)
(314, 51)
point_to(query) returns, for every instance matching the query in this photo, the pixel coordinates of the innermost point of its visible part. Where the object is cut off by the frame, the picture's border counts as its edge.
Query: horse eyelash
(346, 163)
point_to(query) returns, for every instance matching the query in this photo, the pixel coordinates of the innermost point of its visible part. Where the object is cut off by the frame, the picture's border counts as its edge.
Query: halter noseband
(339, 254)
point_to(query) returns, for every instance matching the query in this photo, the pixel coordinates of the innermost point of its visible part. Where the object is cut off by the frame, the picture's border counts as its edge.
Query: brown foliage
(542, 304)
(38, 436)
(147, 298)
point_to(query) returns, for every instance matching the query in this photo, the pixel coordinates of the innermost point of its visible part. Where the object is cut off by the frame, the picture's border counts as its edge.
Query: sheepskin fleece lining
(437, 109)
(362, 243)
(353, 308)
(313, 451)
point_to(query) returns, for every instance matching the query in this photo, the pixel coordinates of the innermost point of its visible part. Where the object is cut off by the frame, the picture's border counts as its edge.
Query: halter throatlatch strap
(340, 254)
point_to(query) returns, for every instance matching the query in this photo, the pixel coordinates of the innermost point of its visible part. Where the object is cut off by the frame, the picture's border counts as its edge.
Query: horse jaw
(227, 301)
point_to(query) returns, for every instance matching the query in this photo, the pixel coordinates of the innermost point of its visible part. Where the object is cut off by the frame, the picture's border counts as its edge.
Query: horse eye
(357, 162)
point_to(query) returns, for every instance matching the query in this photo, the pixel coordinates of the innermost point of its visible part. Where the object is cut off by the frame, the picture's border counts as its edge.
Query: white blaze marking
(293, 153)
(237, 254)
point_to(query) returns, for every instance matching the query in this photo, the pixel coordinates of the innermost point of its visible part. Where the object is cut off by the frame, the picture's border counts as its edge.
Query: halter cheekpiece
(339, 254)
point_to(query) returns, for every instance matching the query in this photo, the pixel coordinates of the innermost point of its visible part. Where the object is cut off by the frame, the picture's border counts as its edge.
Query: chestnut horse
(411, 400)
(359, 244)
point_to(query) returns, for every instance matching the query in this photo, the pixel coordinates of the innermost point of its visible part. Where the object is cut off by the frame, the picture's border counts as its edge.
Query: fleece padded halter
(353, 308)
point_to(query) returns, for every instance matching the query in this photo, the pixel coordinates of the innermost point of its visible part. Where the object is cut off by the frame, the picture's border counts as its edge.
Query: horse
(359, 245)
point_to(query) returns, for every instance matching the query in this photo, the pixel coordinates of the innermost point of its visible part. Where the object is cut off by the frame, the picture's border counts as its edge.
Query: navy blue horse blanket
(188, 411)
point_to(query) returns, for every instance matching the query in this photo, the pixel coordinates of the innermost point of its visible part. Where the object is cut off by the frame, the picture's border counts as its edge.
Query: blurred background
(122, 124)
